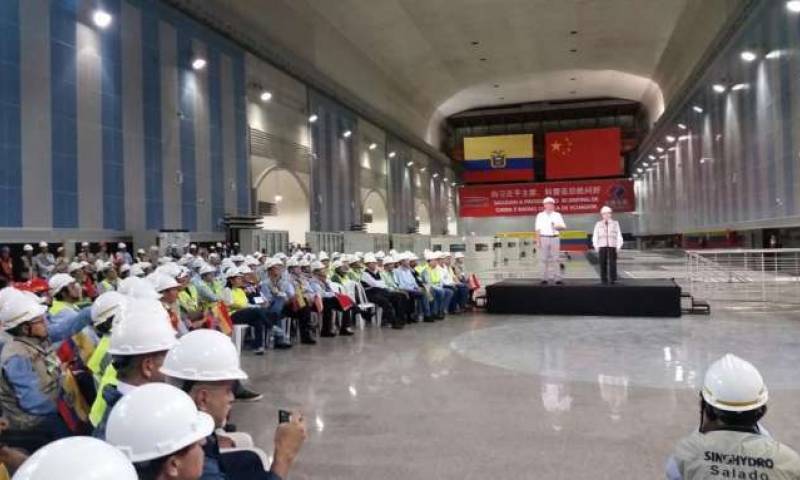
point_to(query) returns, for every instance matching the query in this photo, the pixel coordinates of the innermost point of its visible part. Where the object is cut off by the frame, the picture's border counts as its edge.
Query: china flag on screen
(583, 153)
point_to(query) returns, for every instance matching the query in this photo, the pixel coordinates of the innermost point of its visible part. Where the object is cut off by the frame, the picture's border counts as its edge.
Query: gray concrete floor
(481, 396)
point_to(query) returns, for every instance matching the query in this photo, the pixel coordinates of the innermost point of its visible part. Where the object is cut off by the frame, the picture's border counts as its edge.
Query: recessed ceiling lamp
(775, 54)
(266, 96)
(659, 150)
(392, 154)
(793, 6)
(670, 138)
(435, 175)
(682, 126)
(651, 157)
(748, 56)
(719, 88)
(198, 63)
(313, 118)
(373, 146)
(101, 18)
(697, 109)
(740, 86)
(410, 163)
(347, 134)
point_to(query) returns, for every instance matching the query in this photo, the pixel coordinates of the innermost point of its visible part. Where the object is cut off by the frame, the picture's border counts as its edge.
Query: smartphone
(284, 416)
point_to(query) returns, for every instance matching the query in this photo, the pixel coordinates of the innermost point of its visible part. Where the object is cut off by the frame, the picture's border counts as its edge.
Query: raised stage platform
(627, 298)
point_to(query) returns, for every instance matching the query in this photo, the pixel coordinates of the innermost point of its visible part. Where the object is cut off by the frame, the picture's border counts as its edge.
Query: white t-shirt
(546, 221)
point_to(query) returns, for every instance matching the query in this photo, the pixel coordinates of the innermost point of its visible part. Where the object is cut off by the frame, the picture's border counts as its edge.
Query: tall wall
(736, 165)
(105, 131)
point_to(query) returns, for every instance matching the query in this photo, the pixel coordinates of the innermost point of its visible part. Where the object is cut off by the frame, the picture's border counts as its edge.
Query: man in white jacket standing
(607, 240)
(549, 224)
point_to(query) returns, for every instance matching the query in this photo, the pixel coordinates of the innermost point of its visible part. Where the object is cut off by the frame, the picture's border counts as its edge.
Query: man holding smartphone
(549, 224)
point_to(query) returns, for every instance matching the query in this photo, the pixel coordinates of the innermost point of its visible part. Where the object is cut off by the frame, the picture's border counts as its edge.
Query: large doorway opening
(284, 204)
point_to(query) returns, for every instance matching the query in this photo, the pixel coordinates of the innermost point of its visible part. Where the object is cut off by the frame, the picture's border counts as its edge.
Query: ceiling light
(435, 175)
(278, 198)
(651, 157)
(198, 63)
(682, 126)
(453, 184)
(422, 170)
(392, 154)
(266, 96)
(683, 138)
(370, 211)
(748, 56)
(739, 86)
(101, 18)
(645, 164)
(445, 180)
(697, 109)
(347, 134)
(793, 6)
(659, 150)
(670, 138)
(774, 54)
(409, 164)
(640, 170)
(313, 118)
(719, 88)
(373, 146)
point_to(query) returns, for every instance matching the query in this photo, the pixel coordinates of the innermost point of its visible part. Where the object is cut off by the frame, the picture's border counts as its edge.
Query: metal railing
(762, 275)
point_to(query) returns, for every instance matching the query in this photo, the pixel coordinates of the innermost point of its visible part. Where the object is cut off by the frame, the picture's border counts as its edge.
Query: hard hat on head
(107, 305)
(203, 356)
(141, 327)
(317, 266)
(122, 246)
(273, 262)
(43, 244)
(459, 255)
(58, 281)
(28, 247)
(323, 256)
(74, 267)
(66, 458)
(370, 258)
(389, 260)
(734, 385)
(162, 282)
(232, 273)
(136, 287)
(606, 209)
(293, 262)
(18, 308)
(156, 420)
(206, 269)
(548, 200)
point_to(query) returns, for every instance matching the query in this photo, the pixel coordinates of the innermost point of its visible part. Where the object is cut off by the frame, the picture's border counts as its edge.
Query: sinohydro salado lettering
(739, 460)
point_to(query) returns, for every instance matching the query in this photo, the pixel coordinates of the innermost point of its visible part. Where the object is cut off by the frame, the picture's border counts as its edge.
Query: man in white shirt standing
(549, 224)
(607, 241)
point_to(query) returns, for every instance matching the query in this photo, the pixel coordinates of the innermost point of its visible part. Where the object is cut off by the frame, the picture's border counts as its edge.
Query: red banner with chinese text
(526, 198)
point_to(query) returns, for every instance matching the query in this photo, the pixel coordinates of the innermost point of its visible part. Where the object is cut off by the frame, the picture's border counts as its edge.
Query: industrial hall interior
(399, 239)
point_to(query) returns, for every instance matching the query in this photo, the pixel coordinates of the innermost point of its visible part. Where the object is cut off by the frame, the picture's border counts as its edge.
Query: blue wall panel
(187, 90)
(215, 140)
(111, 120)
(151, 105)
(10, 137)
(64, 90)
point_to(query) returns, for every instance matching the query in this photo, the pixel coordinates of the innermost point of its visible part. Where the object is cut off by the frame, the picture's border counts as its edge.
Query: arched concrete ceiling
(416, 61)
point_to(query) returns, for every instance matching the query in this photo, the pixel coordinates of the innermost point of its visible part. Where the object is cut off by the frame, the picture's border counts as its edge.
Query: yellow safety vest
(239, 299)
(188, 299)
(99, 406)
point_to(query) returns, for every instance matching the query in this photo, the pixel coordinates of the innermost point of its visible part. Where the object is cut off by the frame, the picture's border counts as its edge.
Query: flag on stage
(588, 153)
(498, 158)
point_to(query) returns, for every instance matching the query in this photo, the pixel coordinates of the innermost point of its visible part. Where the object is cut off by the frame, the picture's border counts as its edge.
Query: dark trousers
(608, 264)
(381, 298)
(330, 305)
(303, 317)
(256, 318)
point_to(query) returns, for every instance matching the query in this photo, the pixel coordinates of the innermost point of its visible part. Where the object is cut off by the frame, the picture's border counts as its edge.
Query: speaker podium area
(626, 298)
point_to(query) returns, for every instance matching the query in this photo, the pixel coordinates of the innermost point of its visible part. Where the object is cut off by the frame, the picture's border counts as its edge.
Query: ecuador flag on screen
(498, 158)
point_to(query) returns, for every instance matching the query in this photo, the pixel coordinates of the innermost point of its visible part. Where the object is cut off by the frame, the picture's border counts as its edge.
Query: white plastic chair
(239, 331)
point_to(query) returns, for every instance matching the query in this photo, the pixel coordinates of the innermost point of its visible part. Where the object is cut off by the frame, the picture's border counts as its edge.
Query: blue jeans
(275, 314)
(441, 298)
(421, 300)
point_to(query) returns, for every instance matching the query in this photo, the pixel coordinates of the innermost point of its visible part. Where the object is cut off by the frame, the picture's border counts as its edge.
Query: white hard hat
(74, 266)
(273, 262)
(126, 268)
(107, 305)
(203, 356)
(336, 264)
(548, 200)
(380, 254)
(141, 251)
(163, 282)
(459, 255)
(121, 245)
(370, 258)
(42, 244)
(156, 420)
(244, 270)
(606, 209)
(232, 272)
(84, 244)
(293, 262)
(28, 247)
(19, 308)
(136, 287)
(67, 458)
(734, 385)
(389, 260)
(59, 281)
(142, 326)
(317, 266)
(136, 270)
(206, 268)
(251, 261)
(323, 256)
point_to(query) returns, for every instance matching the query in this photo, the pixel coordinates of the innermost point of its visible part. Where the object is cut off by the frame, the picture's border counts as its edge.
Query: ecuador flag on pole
(498, 158)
